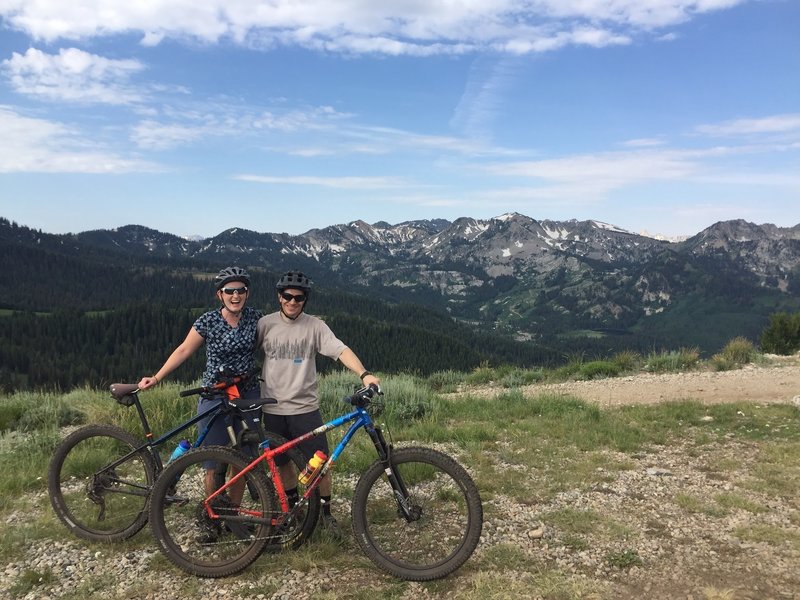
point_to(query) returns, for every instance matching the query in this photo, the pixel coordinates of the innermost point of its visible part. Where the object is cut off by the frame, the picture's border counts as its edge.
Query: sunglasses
(289, 297)
(231, 291)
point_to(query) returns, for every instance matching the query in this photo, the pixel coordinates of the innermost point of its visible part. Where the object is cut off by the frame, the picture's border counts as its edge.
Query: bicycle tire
(95, 502)
(449, 522)
(188, 537)
(293, 535)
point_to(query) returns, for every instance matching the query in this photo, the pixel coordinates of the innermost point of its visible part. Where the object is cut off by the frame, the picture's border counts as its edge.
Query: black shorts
(292, 426)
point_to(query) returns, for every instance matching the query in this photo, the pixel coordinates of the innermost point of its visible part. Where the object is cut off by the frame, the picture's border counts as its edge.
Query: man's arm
(349, 359)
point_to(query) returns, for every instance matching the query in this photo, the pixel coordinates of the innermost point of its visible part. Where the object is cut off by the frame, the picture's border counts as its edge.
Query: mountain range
(511, 274)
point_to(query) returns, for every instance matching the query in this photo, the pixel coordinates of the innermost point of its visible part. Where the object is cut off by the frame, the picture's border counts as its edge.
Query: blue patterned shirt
(229, 347)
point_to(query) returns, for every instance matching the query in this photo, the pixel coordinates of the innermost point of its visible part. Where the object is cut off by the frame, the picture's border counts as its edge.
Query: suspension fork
(401, 495)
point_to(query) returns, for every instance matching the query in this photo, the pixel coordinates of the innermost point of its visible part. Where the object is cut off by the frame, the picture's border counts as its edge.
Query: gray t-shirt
(290, 349)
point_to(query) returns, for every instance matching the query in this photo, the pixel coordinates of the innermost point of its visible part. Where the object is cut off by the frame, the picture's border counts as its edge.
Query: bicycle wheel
(93, 496)
(292, 530)
(447, 511)
(194, 540)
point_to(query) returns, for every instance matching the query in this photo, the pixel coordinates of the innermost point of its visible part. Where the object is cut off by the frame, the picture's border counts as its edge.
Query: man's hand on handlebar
(370, 379)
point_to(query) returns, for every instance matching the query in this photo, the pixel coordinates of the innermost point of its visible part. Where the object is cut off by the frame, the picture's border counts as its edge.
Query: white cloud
(349, 183)
(72, 75)
(153, 135)
(594, 177)
(184, 124)
(33, 145)
(393, 27)
(788, 123)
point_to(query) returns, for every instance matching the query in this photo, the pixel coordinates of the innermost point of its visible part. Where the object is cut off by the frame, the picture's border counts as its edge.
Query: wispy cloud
(391, 27)
(32, 145)
(349, 183)
(786, 123)
(179, 125)
(72, 75)
(489, 82)
(592, 177)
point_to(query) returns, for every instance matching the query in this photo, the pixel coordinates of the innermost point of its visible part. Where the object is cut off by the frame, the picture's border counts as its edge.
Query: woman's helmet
(231, 274)
(294, 279)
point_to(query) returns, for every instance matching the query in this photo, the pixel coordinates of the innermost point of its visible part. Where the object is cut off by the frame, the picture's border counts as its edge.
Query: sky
(281, 116)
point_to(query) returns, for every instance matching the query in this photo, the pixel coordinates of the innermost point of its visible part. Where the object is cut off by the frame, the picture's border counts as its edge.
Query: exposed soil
(778, 381)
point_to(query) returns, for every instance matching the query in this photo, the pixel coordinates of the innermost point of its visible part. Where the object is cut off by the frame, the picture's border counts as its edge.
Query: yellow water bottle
(312, 468)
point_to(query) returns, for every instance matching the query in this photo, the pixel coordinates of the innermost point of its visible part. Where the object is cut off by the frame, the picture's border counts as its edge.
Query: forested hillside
(69, 348)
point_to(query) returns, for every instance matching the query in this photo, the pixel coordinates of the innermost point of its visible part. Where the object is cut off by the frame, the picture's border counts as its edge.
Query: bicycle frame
(220, 410)
(359, 418)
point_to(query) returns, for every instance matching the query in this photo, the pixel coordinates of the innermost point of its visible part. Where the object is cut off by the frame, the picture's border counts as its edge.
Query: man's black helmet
(294, 279)
(231, 274)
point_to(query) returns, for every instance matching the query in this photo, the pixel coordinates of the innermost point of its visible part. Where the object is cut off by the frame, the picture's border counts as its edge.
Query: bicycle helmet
(229, 274)
(294, 279)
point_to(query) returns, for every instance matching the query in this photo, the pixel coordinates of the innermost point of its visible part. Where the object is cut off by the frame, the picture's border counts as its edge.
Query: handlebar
(362, 397)
(224, 382)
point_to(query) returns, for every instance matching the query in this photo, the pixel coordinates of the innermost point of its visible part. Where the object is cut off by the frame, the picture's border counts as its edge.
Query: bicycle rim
(193, 540)
(448, 516)
(94, 501)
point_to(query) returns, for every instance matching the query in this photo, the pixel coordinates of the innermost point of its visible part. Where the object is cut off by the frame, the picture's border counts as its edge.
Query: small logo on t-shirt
(298, 360)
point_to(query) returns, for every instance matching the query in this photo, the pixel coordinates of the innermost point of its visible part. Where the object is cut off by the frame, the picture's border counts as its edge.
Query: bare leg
(235, 492)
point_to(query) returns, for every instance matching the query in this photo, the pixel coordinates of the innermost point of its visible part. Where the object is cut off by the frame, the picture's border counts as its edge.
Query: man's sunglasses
(231, 291)
(299, 298)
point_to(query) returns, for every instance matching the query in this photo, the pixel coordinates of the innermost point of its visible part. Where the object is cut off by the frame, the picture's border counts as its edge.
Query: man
(291, 339)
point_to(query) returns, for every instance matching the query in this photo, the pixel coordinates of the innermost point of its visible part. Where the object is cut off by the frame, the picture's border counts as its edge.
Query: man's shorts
(292, 426)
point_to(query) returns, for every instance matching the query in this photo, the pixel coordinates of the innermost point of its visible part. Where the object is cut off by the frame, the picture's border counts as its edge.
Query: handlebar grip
(362, 396)
(192, 392)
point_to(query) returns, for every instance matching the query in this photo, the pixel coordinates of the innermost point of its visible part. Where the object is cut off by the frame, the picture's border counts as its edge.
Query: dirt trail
(775, 382)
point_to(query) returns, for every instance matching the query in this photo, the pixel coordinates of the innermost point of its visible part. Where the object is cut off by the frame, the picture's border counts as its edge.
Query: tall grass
(673, 360)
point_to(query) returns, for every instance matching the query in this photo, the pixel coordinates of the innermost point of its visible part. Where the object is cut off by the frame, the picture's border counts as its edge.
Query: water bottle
(312, 468)
(182, 448)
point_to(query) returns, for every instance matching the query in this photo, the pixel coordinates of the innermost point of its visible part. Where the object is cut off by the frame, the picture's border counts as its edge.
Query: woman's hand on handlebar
(147, 382)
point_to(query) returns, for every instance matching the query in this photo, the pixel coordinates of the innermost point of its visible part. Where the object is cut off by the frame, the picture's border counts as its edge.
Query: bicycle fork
(405, 503)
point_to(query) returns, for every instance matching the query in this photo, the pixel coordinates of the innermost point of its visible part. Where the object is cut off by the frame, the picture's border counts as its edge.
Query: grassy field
(529, 456)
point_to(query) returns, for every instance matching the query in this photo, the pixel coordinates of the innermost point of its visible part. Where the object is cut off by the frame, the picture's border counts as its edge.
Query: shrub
(782, 335)
(624, 559)
(485, 374)
(627, 360)
(408, 397)
(598, 369)
(445, 381)
(737, 352)
(568, 370)
(680, 360)
(518, 377)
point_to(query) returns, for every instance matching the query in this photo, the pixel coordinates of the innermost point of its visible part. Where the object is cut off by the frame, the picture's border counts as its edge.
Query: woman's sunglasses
(231, 291)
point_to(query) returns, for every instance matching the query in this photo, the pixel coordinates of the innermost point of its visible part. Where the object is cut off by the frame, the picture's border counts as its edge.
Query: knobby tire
(450, 515)
(96, 502)
(186, 534)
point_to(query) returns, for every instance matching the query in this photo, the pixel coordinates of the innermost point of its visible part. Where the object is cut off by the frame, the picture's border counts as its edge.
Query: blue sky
(190, 117)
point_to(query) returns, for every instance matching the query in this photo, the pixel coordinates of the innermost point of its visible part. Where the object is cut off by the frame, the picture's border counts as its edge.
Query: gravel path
(692, 554)
(778, 382)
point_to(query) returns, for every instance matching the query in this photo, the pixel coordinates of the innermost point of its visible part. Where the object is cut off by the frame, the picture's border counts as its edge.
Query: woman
(229, 334)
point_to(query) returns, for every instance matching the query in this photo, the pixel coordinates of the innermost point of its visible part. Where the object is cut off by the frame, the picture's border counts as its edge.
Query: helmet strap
(287, 316)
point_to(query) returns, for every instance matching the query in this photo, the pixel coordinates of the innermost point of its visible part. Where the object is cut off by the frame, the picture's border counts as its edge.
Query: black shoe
(209, 530)
(330, 525)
